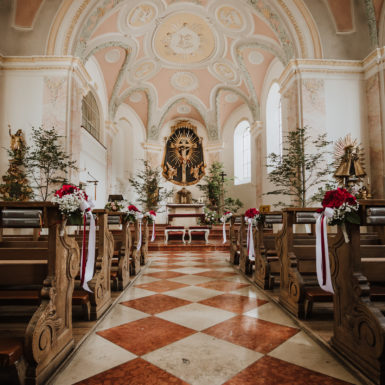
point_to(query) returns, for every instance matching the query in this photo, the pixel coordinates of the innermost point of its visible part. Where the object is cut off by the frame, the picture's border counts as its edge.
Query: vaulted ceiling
(197, 59)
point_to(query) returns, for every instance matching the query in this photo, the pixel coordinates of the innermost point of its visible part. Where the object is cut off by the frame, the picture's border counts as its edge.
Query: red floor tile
(234, 303)
(271, 371)
(145, 335)
(135, 372)
(161, 286)
(216, 274)
(252, 333)
(155, 303)
(223, 285)
(165, 274)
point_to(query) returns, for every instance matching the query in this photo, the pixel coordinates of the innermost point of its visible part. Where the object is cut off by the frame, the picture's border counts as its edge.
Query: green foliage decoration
(47, 163)
(146, 184)
(303, 166)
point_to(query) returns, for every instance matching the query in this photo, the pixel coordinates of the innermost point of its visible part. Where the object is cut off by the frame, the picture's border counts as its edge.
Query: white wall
(245, 192)
(21, 106)
(93, 160)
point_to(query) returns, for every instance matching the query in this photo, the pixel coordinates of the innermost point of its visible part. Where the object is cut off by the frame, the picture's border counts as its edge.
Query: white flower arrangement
(116, 205)
(69, 199)
(210, 216)
(150, 215)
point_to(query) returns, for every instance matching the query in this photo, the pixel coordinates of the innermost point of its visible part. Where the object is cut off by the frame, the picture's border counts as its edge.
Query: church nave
(191, 318)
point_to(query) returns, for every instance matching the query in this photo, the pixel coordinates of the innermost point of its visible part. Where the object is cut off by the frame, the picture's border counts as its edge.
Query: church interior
(192, 192)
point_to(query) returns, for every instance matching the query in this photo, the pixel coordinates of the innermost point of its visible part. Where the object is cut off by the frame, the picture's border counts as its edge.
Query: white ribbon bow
(224, 231)
(87, 207)
(139, 217)
(153, 231)
(250, 240)
(322, 251)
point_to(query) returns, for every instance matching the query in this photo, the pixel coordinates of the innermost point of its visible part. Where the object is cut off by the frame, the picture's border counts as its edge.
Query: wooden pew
(30, 354)
(120, 269)
(245, 264)
(100, 284)
(145, 242)
(359, 323)
(136, 254)
(296, 253)
(267, 266)
(235, 221)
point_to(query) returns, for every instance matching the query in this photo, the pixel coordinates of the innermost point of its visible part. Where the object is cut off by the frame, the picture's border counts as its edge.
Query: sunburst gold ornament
(350, 159)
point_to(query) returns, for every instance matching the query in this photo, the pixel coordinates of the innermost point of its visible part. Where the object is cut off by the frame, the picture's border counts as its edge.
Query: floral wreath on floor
(210, 217)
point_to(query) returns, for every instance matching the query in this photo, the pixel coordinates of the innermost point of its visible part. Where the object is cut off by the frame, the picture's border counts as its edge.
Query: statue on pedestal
(184, 196)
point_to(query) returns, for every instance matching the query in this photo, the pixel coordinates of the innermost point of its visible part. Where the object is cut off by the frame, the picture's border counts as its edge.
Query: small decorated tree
(47, 162)
(302, 167)
(146, 184)
(15, 186)
(214, 190)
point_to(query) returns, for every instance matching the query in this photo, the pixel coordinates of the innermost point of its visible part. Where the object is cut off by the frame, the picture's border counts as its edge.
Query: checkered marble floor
(192, 319)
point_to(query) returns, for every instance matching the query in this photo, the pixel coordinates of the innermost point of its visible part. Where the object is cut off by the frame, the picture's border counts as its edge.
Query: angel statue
(349, 158)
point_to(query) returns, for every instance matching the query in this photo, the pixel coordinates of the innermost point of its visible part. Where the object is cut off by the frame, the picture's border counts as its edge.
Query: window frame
(91, 115)
(242, 153)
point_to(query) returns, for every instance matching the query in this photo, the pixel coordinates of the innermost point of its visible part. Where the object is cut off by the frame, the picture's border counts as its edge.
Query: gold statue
(184, 196)
(17, 140)
(347, 154)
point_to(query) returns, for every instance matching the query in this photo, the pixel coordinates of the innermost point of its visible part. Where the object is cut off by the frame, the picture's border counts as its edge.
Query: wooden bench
(203, 230)
(41, 275)
(267, 266)
(235, 222)
(100, 284)
(179, 230)
(359, 323)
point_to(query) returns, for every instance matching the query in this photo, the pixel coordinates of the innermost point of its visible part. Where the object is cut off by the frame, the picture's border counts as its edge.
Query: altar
(184, 214)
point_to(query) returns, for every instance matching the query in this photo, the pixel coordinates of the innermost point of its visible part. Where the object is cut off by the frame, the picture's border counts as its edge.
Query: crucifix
(95, 183)
(221, 196)
(222, 174)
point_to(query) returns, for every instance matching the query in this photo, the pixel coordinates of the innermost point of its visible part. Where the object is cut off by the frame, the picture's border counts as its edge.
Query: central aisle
(192, 319)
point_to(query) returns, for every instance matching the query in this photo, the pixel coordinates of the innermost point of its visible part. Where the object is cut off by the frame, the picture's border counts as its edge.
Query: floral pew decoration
(252, 218)
(338, 207)
(210, 217)
(225, 218)
(116, 205)
(135, 215)
(150, 215)
(75, 208)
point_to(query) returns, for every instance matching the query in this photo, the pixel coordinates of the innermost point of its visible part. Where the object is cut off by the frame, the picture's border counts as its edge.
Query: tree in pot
(214, 190)
(303, 167)
(47, 163)
(146, 184)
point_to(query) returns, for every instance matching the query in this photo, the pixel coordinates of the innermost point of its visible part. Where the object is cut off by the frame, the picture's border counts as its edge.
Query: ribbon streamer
(153, 232)
(250, 240)
(139, 217)
(322, 250)
(224, 232)
(88, 264)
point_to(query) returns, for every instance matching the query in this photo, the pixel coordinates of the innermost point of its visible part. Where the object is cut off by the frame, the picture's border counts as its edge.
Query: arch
(188, 99)
(242, 153)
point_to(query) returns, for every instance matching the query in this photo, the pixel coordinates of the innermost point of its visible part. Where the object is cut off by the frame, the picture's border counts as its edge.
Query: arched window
(274, 121)
(242, 153)
(90, 115)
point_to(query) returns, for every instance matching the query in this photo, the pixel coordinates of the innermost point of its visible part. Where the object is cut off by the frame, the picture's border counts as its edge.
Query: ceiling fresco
(194, 59)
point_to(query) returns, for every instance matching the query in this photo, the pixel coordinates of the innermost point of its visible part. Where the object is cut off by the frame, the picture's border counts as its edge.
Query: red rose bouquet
(340, 206)
(70, 199)
(133, 214)
(253, 215)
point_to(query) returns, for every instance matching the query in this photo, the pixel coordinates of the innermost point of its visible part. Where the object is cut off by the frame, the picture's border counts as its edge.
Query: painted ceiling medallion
(141, 15)
(225, 72)
(230, 18)
(184, 38)
(144, 70)
(255, 57)
(112, 56)
(136, 97)
(231, 98)
(184, 81)
(183, 109)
